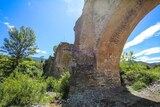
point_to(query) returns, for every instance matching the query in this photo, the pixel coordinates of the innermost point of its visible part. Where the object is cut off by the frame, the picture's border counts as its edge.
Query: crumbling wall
(61, 61)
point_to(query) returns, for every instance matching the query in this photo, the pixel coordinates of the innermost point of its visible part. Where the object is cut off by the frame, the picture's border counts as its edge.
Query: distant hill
(150, 64)
(38, 59)
(155, 64)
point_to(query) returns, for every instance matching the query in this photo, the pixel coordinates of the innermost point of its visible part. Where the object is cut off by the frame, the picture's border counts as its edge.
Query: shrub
(51, 81)
(62, 85)
(138, 75)
(20, 89)
(138, 85)
(155, 73)
(31, 67)
(5, 66)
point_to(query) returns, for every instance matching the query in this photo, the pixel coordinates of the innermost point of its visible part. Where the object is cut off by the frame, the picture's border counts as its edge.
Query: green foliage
(55, 48)
(21, 80)
(60, 86)
(138, 85)
(51, 83)
(26, 66)
(5, 66)
(137, 74)
(20, 44)
(64, 84)
(127, 56)
(48, 66)
(31, 67)
(20, 89)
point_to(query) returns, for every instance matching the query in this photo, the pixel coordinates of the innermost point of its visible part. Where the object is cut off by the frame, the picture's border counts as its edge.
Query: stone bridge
(100, 35)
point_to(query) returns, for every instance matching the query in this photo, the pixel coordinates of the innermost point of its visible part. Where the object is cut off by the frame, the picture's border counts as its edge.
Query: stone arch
(122, 22)
(100, 35)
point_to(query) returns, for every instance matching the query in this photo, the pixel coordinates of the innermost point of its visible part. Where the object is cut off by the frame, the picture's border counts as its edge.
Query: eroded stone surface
(63, 58)
(124, 19)
(91, 25)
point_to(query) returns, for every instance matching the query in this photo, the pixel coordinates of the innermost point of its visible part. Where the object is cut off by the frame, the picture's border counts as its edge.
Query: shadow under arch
(111, 44)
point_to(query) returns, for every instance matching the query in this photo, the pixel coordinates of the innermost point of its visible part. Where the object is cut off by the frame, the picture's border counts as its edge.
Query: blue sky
(145, 38)
(53, 22)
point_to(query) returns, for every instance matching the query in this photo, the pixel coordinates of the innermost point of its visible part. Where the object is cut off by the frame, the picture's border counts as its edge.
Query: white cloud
(74, 7)
(41, 51)
(8, 25)
(148, 33)
(148, 51)
(148, 59)
(143, 58)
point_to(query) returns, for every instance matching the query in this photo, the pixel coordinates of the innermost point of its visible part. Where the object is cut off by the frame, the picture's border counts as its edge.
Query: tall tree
(20, 44)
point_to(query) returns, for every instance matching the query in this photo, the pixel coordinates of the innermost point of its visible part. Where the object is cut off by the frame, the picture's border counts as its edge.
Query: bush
(20, 89)
(138, 75)
(51, 81)
(5, 66)
(62, 85)
(155, 73)
(31, 67)
(138, 85)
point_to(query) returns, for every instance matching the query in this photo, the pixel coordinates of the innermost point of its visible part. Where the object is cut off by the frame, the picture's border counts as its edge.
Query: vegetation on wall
(66, 60)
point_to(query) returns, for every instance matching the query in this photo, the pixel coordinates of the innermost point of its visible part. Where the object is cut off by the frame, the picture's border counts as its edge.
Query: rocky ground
(119, 97)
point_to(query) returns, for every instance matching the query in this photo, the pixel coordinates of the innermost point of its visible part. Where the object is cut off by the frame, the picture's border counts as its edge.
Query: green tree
(131, 56)
(127, 56)
(20, 44)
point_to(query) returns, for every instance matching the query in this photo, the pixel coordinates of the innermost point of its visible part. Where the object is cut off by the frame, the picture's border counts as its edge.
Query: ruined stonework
(63, 58)
(100, 35)
(61, 61)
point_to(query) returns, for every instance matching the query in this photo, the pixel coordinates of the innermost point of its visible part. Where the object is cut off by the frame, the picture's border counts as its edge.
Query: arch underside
(101, 33)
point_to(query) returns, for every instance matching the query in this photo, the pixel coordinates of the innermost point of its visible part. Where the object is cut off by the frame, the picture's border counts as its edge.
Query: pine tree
(20, 44)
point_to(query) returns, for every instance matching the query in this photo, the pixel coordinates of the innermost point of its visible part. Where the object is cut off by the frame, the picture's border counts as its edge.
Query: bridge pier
(100, 35)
